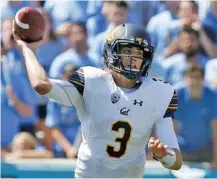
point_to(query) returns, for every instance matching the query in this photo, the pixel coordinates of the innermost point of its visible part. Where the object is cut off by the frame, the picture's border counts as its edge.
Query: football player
(118, 106)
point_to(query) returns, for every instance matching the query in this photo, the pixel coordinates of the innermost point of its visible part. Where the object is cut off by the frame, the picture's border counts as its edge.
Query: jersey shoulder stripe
(172, 107)
(77, 79)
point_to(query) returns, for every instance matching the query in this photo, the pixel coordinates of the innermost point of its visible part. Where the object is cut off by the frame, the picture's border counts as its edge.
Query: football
(29, 24)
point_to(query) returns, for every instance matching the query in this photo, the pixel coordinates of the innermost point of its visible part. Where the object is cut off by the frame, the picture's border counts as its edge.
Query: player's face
(131, 56)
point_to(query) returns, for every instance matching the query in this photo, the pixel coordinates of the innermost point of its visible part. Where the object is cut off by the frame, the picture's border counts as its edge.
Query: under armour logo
(135, 102)
(124, 111)
(115, 98)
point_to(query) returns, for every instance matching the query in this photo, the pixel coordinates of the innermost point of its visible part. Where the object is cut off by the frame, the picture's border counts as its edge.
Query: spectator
(16, 69)
(163, 21)
(14, 102)
(64, 124)
(140, 12)
(188, 13)
(6, 36)
(94, 7)
(210, 23)
(99, 11)
(196, 118)
(20, 99)
(203, 7)
(210, 19)
(9, 118)
(117, 15)
(63, 31)
(79, 55)
(24, 145)
(189, 54)
(211, 73)
(63, 11)
(52, 44)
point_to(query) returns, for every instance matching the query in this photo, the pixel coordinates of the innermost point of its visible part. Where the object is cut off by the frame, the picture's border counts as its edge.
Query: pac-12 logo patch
(115, 98)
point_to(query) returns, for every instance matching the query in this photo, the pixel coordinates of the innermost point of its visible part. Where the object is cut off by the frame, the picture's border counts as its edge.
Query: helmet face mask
(128, 56)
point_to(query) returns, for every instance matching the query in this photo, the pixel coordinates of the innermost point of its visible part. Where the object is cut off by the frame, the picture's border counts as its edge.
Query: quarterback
(119, 107)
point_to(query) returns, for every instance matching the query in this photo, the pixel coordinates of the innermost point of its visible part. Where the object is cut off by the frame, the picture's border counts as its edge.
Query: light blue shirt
(99, 40)
(94, 7)
(10, 118)
(162, 28)
(194, 118)
(48, 52)
(211, 71)
(96, 22)
(65, 119)
(176, 65)
(157, 70)
(140, 12)
(210, 22)
(63, 11)
(16, 68)
(73, 58)
(95, 25)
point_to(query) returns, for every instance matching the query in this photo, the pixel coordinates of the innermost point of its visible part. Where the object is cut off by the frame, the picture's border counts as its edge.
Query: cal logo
(110, 36)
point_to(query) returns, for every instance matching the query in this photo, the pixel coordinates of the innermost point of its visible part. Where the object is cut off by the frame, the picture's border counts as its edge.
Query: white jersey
(116, 124)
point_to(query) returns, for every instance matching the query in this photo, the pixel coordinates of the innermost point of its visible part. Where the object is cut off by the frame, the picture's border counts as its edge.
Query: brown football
(29, 24)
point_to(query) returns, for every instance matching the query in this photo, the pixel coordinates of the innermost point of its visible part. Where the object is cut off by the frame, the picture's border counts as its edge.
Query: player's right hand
(21, 44)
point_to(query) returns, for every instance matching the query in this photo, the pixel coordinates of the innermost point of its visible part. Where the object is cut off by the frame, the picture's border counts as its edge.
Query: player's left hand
(158, 148)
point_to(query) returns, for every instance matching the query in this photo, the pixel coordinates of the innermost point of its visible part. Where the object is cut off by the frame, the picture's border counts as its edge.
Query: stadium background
(99, 17)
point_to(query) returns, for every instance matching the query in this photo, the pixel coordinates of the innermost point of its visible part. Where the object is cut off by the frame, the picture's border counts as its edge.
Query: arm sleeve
(164, 126)
(65, 93)
(165, 132)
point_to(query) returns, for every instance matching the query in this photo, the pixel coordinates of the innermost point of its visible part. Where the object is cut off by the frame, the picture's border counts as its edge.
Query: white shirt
(116, 124)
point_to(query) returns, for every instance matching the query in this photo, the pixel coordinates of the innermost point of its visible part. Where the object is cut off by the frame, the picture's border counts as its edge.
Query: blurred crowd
(183, 33)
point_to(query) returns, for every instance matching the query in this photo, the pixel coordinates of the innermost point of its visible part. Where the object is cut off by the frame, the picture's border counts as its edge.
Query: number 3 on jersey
(123, 141)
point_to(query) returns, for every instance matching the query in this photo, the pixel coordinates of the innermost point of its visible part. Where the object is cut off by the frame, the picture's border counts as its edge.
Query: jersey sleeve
(65, 93)
(172, 107)
(77, 79)
(165, 132)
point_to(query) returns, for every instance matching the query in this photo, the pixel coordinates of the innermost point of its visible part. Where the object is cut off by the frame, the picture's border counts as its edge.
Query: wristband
(168, 160)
